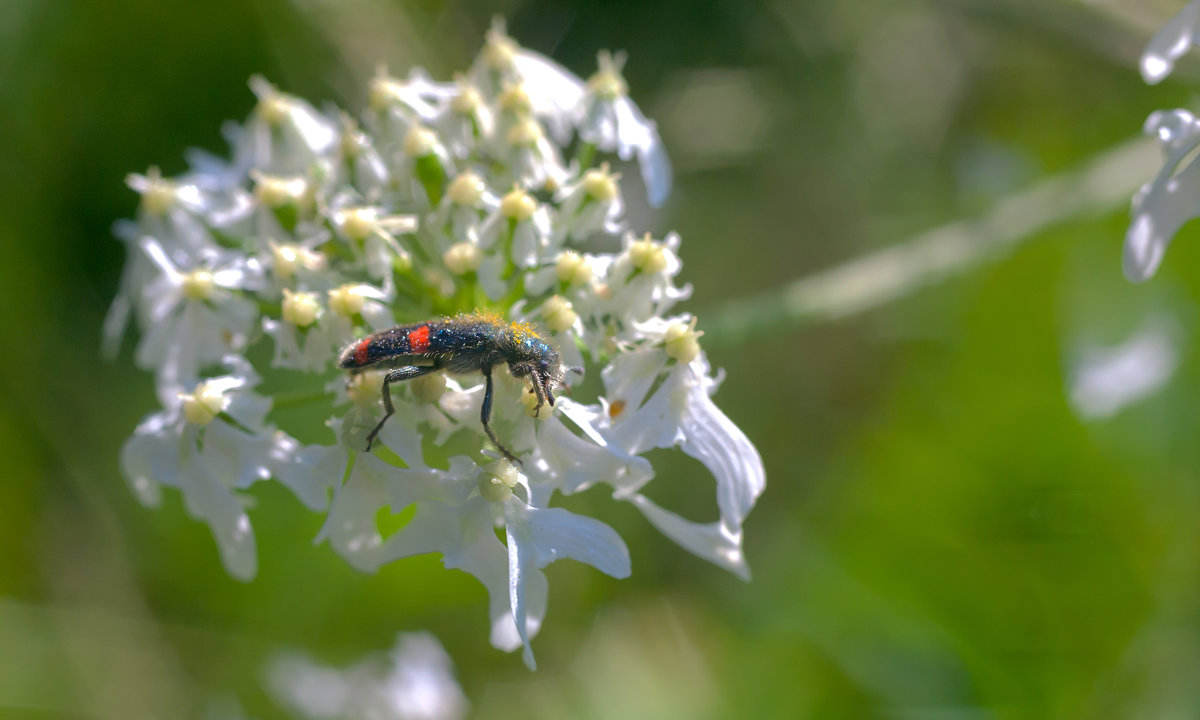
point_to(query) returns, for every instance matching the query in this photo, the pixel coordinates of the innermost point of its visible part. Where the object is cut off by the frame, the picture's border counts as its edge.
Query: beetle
(467, 343)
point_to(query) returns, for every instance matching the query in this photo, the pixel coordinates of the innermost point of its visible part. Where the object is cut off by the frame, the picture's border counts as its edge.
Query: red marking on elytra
(360, 352)
(418, 340)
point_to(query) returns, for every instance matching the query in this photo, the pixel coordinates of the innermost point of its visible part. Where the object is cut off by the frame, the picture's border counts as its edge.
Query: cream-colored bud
(199, 285)
(497, 480)
(468, 99)
(518, 205)
(203, 405)
(274, 109)
(462, 258)
(347, 300)
(558, 313)
(274, 191)
(573, 268)
(500, 51)
(466, 189)
(420, 141)
(601, 184)
(514, 99)
(525, 133)
(428, 388)
(530, 403)
(300, 308)
(363, 387)
(383, 91)
(288, 259)
(681, 341)
(357, 223)
(607, 83)
(159, 196)
(648, 256)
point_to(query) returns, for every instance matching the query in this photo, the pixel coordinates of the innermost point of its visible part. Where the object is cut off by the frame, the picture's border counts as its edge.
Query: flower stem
(872, 280)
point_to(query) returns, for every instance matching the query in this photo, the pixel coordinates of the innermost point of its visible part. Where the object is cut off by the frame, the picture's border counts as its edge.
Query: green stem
(872, 280)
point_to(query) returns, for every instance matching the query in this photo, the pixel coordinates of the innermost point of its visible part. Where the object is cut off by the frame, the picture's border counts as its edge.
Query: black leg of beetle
(485, 414)
(404, 373)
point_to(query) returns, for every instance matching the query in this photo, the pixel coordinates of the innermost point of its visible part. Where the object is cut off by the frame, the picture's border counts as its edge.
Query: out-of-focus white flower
(209, 443)
(284, 136)
(1168, 201)
(415, 681)
(191, 315)
(610, 121)
(1170, 43)
(1106, 379)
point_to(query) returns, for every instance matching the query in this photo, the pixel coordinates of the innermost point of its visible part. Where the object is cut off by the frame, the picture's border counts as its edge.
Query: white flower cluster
(1172, 198)
(479, 194)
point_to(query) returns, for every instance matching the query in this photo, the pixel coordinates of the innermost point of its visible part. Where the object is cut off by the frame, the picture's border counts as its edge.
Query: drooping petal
(1170, 43)
(1167, 202)
(716, 542)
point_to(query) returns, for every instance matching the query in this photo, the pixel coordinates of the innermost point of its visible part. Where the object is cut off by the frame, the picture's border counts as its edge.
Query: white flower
(610, 121)
(455, 519)
(191, 314)
(414, 682)
(591, 204)
(680, 412)
(1170, 43)
(285, 136)
(190, 445)
(1168, 201)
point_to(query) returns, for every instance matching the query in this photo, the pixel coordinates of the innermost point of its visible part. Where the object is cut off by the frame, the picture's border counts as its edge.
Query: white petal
(207, 498)
(557, 533)
(712, 438)
(1169, 43)
(714, 542)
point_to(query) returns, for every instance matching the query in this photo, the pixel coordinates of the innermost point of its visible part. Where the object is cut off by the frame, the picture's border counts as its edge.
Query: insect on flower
(462, 344)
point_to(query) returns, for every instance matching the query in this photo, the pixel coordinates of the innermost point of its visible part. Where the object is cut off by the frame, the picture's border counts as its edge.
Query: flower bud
(347, 300)
(497, 481)
(199, 285)
(420, 141)
(559, 314)
(462, 258)
(681, 341)
(204, 404)
(525, 133)
(601, 184)
(573, 268)
(518, 205)
(300, 308)
(466, 189)
(648, 256)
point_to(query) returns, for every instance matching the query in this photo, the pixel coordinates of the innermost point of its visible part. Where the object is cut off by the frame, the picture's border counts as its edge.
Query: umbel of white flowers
(1171, 198)
(481, 193)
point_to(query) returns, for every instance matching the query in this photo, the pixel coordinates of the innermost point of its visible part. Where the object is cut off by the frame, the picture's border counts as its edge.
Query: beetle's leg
(485, 414)
(404, 373)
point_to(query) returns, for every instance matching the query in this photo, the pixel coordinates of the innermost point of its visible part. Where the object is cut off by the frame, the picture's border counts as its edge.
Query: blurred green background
(944, 535)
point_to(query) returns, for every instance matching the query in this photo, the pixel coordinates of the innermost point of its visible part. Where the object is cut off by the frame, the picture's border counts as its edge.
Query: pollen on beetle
(204, 404)
(462, 258)
(681, 341)
(525, 133)
(300, 308)
(347, 300)
(275, 192)
(573, 268)
(648, 256)
(601, 184)
(199, 285)
(518, 205)
(288, 259)
(466, 189)
(607, 83)
(559, 314)
(497, 480)
(420, 141)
